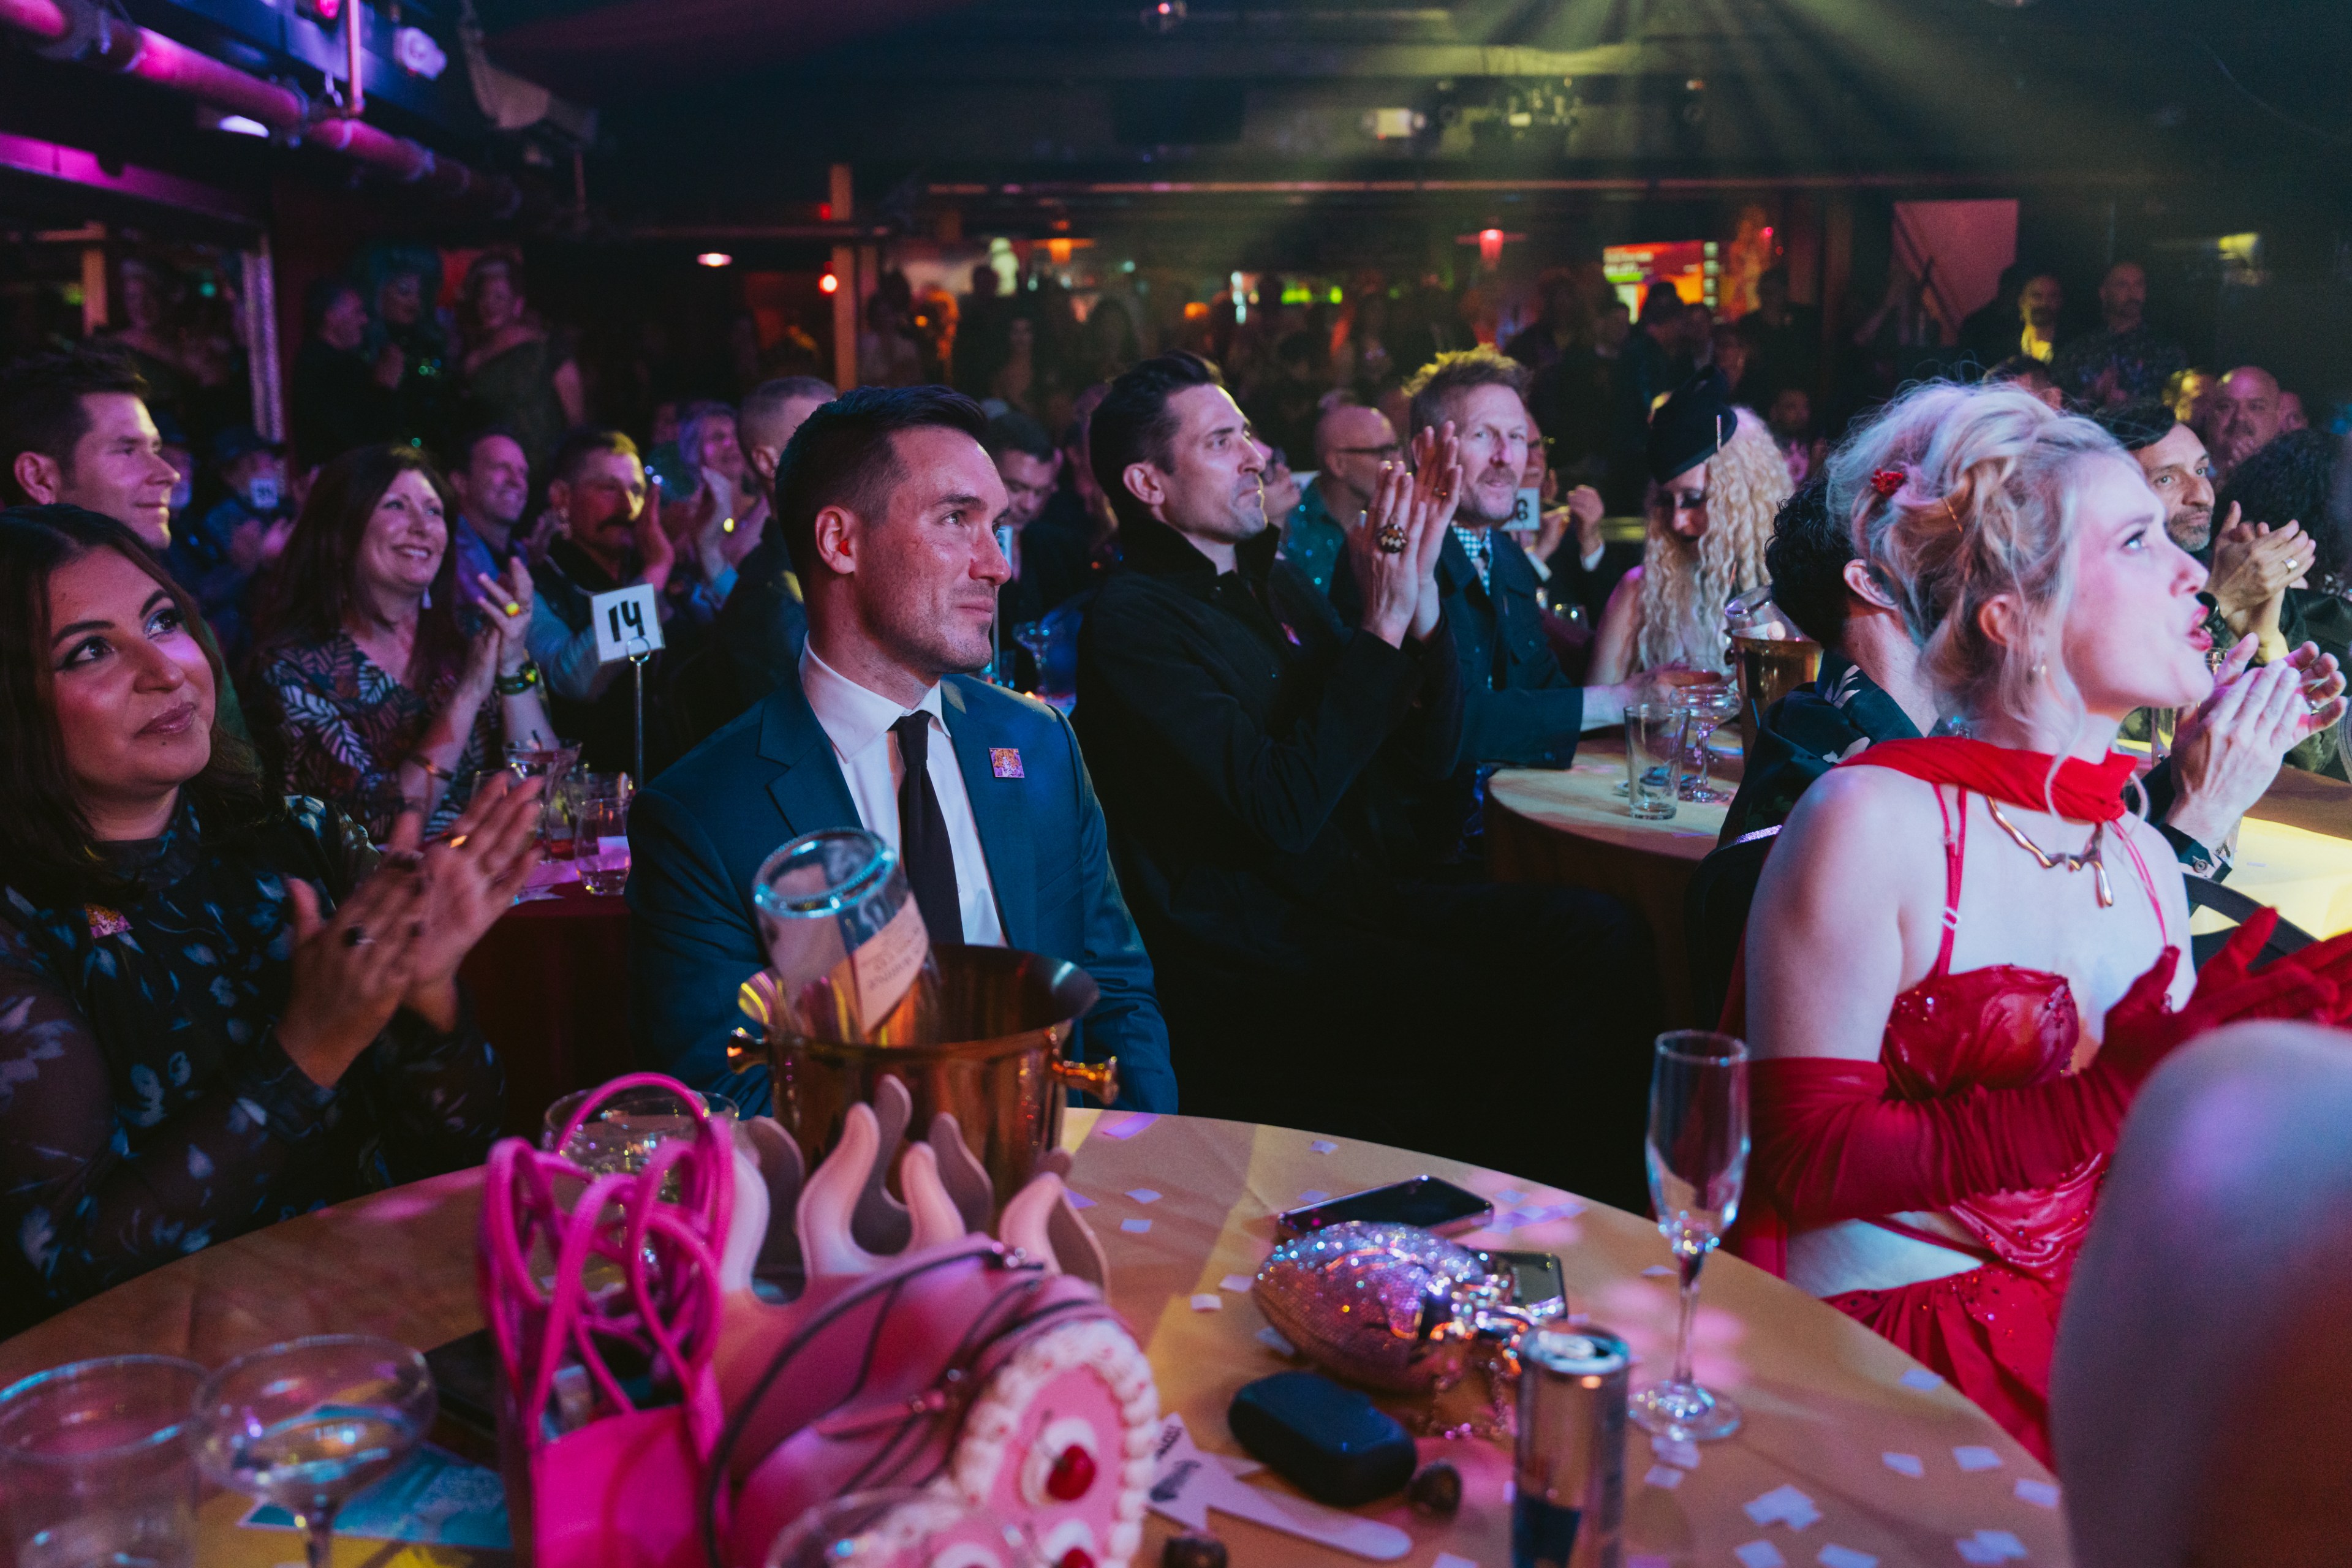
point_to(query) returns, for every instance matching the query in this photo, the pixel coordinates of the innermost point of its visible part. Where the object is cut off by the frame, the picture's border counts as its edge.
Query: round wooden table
(1182, 1205)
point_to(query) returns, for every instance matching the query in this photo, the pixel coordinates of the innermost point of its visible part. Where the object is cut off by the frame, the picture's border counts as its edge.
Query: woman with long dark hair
(372, 696)
(217, 1009)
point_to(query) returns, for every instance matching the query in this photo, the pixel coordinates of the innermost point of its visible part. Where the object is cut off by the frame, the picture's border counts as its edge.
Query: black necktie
(923, 847)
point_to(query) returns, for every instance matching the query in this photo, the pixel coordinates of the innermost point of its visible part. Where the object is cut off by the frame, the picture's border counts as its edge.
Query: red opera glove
(1831, 1142)
(2141, 1030)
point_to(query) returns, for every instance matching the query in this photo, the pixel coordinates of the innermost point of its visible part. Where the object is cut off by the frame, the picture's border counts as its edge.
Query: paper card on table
(1662, 1475)
(434, 1500)
(1910, 1465)
(1134, 1123)
(1676, 1451)
(1971, 1458)
(1186, 1483)
(1759, 1554)
(1135, 1227)
(1208, 1301)
(1143, 1195)
(1238, 1284)
(627, 622)
(2040, 1494)
(1920, 1378)
(1845, 1557)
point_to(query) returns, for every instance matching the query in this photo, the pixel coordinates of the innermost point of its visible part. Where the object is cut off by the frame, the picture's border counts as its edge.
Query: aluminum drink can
(1568, 1504)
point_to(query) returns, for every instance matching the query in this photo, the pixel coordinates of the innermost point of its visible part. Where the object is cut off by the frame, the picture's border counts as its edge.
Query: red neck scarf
(2082, 791)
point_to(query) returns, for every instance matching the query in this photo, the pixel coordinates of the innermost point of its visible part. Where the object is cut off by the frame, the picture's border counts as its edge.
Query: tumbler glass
(1654, 758)
(627, 1127)
(96, 1466)
(847, 949)
(596, 823)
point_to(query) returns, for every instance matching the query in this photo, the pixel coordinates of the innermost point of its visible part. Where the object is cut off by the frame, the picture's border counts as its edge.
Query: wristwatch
(521, 681)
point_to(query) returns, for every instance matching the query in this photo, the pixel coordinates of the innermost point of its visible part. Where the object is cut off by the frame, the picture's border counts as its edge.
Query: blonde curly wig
(1685, 583)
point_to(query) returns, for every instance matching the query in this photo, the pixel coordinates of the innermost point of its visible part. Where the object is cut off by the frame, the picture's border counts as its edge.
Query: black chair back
(1715, 916)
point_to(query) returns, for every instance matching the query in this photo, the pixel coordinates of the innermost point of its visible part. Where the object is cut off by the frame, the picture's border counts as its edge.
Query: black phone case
(1336, 1445)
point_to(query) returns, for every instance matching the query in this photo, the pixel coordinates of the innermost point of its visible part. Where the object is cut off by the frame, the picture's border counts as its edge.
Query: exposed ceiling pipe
(80, 31)
(354, 95)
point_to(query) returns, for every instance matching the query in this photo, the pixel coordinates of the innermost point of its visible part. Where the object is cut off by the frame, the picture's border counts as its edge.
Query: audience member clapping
(218, 1008)
(377, 697)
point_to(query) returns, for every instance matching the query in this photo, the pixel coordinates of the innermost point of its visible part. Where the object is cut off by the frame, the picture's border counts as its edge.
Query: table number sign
(627, 622)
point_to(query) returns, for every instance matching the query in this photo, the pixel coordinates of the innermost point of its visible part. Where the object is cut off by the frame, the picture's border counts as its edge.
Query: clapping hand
(469, 877)
(1437, 481)
(350, 971)
(652, 540)
(505, 603)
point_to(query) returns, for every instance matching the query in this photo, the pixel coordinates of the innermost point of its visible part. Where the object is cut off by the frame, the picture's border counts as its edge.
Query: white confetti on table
(1143, 1195)
(1238, 1284)
(1271, 1337)
(1135, 1122)
(1658, 1271)
(1910, 1465)
(1080, 1200)
(1208, 1302)
(1674, 1451)
(2000, 1543)
(1509, 1195)
(1313, 1194)
(1845, 1557)
(2040, 1494)
(1662, 1475)
(1759, 1554)
(1135, 1227)
(1784, 1505)
(1973, 1458)
(1448, 1560)
(1322, 1145)
(1920, 1378)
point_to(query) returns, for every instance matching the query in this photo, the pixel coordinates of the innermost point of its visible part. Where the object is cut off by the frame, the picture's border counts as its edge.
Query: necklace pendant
(2099, 875)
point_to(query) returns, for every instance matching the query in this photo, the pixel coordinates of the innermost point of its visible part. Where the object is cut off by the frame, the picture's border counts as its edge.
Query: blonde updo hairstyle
(1985, 508)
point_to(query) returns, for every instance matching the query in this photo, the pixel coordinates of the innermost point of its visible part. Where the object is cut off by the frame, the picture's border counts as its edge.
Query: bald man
(2241, 418)
(1351, 442)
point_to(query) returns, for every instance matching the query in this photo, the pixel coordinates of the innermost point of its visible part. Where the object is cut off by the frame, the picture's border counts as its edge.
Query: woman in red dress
(1966, 954)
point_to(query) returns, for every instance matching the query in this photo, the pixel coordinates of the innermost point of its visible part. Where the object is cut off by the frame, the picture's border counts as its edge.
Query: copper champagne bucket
(1769, 668)
(1008, 1013)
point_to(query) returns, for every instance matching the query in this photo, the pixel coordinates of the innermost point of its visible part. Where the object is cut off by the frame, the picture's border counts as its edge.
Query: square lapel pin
(1004, 761)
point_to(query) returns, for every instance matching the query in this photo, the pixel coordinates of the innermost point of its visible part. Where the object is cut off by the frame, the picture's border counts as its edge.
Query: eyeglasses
(1392, 449)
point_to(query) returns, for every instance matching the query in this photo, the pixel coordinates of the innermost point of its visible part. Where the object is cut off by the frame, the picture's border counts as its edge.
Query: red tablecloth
(551, 985)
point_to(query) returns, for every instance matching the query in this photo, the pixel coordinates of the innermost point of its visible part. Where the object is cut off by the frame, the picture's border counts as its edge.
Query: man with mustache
(1258, 754)
(888, 502)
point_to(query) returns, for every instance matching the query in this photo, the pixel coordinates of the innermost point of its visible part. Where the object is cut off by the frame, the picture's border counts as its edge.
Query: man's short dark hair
(2023, 368)
(1133, 424)
(461, 450)
(1662, 303)
(1806, 560)
(844, 455)
(1435, 386)
(1016, 432)
(41, 407)
(2137, 425)
(579, 445)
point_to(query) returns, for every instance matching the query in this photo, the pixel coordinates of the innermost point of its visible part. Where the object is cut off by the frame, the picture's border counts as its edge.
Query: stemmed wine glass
(1711, 705)
(307, 1424)
(1697, 1159)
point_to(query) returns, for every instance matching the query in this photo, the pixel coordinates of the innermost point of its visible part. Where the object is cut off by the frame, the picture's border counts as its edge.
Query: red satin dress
(2020, 1187)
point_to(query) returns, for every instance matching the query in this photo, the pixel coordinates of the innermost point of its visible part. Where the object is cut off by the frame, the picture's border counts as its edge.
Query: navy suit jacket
(698, 833)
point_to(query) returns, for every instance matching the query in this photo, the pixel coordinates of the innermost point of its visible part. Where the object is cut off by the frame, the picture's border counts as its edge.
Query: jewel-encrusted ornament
(1389, 1306)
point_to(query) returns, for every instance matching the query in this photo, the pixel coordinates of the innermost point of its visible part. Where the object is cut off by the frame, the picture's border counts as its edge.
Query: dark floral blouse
(337, 727)
(146, 1107)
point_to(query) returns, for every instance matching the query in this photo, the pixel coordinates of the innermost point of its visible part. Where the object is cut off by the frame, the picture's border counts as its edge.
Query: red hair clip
(1887, 481)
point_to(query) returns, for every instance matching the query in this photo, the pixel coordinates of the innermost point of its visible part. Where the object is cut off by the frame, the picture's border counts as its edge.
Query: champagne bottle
(845, 940)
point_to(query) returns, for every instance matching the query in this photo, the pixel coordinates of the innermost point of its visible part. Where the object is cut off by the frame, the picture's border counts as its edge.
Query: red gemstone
(1076, 1557)
(1068, 1480)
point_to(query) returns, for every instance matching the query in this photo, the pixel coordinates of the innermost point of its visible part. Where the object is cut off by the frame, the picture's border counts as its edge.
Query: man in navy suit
(886, 500)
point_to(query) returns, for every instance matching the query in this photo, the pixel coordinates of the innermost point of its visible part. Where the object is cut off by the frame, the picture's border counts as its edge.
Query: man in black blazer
(885, 501)
(1253, 749)
(1519, 708)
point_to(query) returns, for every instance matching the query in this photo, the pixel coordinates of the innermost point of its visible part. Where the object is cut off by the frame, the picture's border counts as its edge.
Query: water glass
(626, 1129)
(96, 1468)
(1697, 1156)
(311, 1423)
(904, 1527)
(595, 823)
(1654, 758)
(848, 954)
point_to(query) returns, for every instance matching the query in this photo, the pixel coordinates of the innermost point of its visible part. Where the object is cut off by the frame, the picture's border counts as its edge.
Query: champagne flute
(1697, 1158)
(310, 1422)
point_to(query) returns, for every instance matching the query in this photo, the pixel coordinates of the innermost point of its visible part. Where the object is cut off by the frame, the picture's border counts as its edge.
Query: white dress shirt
(858, 722)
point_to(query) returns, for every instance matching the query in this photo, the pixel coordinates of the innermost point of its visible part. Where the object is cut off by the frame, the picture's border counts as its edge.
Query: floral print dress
(146, 1107)
(338, 727)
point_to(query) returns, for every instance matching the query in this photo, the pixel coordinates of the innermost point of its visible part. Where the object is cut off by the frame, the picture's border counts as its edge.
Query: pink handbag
(605, 1470)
